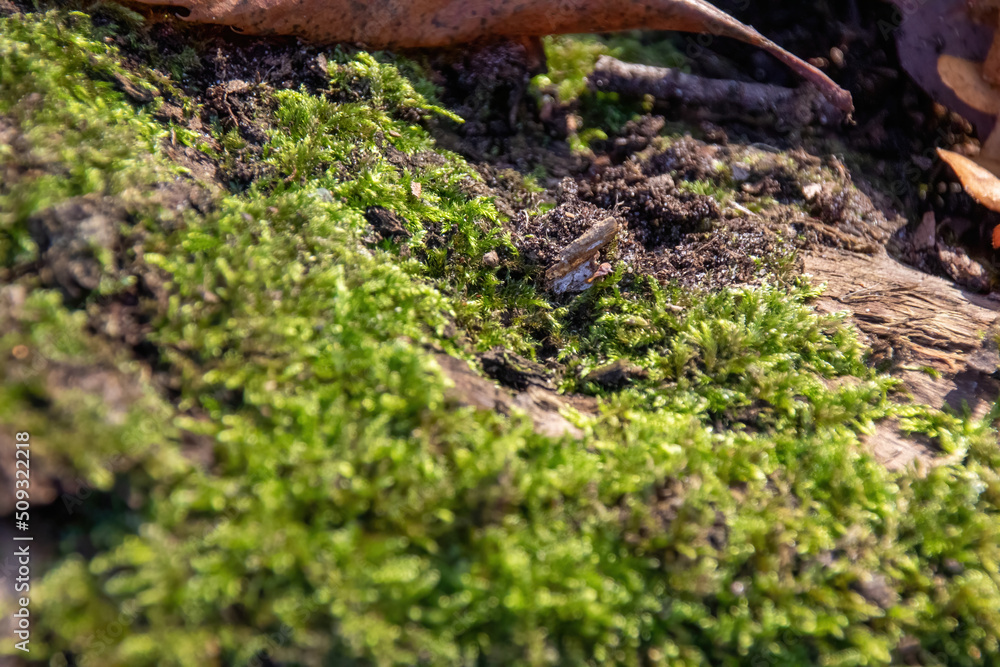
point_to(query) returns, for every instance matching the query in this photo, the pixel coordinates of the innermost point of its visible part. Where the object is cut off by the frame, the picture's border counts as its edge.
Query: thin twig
(797, 107)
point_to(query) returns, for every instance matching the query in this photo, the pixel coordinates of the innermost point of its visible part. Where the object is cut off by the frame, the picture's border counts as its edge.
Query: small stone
(323, 195)
(837, 57)
(963, 269)
(875, 588)
(491, 259)
(236, 86)
(812, 191)
(953, 567)
(740, 173)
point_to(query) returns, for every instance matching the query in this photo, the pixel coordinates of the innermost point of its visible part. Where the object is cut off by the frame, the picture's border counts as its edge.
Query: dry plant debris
(429, 23)
(972, 76)
(795, 107)
(576, 266)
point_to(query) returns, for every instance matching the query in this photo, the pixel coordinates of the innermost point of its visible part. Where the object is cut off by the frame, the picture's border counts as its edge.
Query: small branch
(797, 107)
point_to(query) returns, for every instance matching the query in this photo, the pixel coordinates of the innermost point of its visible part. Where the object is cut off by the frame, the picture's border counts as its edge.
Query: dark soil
(888, 150)
(897, 126)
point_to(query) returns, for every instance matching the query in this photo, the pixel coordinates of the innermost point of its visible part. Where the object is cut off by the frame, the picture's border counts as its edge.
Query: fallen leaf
(427, 23)
(931, 28)
(980, 183)
(965, 78)
(952, 49)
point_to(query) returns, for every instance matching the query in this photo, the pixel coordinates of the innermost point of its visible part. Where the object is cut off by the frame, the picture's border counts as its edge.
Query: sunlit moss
(721, 511)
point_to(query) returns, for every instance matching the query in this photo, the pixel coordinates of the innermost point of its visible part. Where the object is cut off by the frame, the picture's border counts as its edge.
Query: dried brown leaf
(965, 78)
(991, 67)
(981, 184)
(932, 27)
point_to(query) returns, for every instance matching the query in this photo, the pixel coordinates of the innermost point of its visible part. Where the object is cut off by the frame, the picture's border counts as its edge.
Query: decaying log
(932, 332)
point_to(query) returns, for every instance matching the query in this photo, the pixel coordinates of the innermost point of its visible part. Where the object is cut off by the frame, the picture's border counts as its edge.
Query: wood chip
(579, 253)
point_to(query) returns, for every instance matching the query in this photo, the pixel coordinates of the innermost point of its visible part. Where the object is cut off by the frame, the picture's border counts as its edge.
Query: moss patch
(719, 509)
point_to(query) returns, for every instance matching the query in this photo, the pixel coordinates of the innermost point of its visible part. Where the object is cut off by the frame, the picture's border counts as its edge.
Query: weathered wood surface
(542, 405)
(922, 322)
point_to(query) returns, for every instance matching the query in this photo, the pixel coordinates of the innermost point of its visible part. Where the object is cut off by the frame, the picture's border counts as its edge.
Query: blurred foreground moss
(721, 512)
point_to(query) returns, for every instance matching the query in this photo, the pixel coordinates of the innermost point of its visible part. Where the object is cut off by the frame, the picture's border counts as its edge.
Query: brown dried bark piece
(428, 23)
(576, 263)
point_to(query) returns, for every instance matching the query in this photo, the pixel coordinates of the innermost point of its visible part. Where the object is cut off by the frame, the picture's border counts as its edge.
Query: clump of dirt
(514, 371)
(76, 239)
(386, 224)
(487, 84)
(672, 235)
(677, 235)
(635, 136)
(848, 210)
(687, 159)
(741, 252)
(658, 212)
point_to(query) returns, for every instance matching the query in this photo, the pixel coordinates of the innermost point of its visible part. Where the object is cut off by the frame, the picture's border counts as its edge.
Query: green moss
(46, 393)
(59, 106)
(722, 511)
(571, 58)
(720, 193)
